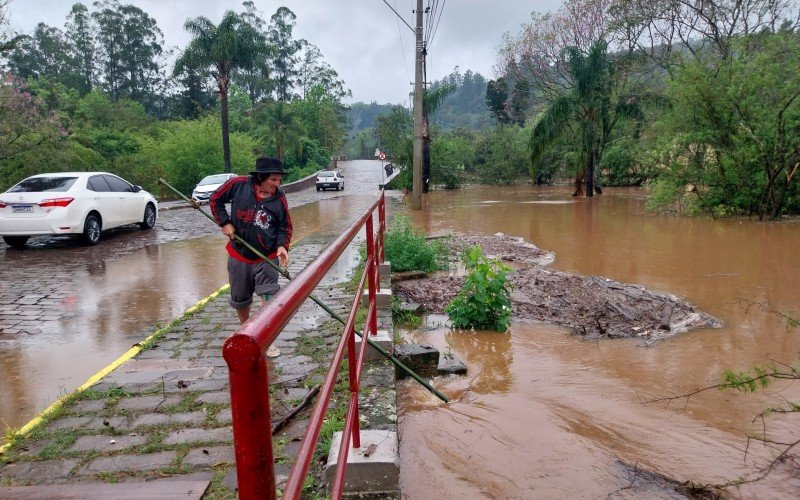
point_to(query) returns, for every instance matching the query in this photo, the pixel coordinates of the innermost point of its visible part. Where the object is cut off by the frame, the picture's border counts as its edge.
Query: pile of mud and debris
(589, 305)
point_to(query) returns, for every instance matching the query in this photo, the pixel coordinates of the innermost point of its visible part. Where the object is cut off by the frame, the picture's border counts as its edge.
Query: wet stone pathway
(163, 419)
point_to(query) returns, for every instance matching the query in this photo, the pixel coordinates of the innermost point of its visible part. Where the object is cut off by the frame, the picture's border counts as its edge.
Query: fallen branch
(297, 409)
(750, 381)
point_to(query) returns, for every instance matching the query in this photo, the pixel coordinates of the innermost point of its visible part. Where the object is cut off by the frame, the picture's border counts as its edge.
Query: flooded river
(546, 414)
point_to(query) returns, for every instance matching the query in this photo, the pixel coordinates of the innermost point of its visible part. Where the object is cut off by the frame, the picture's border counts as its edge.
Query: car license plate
(22, 209)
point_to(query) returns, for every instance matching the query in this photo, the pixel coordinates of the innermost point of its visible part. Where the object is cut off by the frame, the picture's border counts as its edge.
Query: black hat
(267, 165)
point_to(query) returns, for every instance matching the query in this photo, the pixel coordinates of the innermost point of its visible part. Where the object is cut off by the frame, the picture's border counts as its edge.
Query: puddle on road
(108, 306)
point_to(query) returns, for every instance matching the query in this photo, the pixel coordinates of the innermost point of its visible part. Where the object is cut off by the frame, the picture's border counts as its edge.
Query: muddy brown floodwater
(545, 413)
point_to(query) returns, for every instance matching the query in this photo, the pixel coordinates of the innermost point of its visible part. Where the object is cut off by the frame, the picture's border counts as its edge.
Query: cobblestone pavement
(38, 277)
(165, 414)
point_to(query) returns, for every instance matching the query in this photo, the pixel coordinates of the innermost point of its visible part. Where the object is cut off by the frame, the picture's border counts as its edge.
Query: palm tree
(587, 104)
(232, 44)
(431, 100)
(284, 125)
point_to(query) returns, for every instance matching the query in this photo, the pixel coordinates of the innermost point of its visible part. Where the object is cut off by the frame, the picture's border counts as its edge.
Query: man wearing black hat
(259, 215)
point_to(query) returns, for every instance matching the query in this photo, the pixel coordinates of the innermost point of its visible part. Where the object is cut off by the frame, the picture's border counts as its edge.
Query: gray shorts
(247, 278)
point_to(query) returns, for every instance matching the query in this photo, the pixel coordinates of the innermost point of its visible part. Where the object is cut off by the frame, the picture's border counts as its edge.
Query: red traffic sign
(382, 156)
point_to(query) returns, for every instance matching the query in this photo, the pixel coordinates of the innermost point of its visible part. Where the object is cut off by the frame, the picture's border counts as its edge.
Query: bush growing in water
(484, 301)
(408, 251)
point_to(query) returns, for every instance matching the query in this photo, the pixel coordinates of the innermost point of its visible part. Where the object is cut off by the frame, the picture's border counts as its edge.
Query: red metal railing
(249, 384)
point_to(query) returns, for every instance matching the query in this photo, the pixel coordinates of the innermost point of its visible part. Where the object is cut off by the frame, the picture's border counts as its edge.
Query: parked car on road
(84, 203)
(330, 179)
(207, 185)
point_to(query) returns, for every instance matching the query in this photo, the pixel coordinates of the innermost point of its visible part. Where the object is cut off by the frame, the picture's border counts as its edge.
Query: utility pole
(416, 193)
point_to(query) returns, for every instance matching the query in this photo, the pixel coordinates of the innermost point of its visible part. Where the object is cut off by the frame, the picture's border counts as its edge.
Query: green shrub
(484, 302)
(408, 250)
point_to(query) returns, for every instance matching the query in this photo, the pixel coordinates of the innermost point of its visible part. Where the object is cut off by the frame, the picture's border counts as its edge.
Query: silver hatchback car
(330, 179)
(210, 183)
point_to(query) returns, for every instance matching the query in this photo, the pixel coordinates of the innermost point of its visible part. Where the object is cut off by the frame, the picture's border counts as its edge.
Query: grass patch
(404, 317)
(351, 285)
(112, 394)
(312, 346)
(217, 489)
(62, 440)
(108, 477)
(408, 250)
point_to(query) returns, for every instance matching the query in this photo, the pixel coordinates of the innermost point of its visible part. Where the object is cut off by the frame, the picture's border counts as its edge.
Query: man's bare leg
(244, 314)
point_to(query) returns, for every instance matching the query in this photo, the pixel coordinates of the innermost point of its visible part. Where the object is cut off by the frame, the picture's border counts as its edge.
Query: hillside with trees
(462, 106)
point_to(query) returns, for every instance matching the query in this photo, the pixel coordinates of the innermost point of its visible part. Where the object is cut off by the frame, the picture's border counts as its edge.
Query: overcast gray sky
(363, 40)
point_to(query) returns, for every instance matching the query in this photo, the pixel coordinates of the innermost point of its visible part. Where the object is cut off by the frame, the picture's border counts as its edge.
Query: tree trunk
(226, 143)
(578, 184)
(590, 175)
(279, 149)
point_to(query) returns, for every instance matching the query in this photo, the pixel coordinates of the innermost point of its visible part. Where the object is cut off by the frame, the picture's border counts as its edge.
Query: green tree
(231, 44)
(451, 152)
(80, 33)
(394, 134)
(28, 132)
(734, 133)
(286, 53)
(394, 131)
(587, 103)
(46, 54)
(255, 78)
(283, 125)
(497, 98)
(501, 156)
(197, 95)
(363, 145)
(59, 99)
(186, 151)
(129, 43)
(313, 71)
(431, 100)
(323, 117)
(97, 110)
(7, 44)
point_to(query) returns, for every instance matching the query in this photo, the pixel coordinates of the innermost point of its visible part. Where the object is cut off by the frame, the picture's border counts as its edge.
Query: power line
(399, 16)
(402, 47)
(436, 28)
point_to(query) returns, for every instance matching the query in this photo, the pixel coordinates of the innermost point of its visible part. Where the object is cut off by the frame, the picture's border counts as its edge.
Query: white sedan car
(206, 187)
(83, 203)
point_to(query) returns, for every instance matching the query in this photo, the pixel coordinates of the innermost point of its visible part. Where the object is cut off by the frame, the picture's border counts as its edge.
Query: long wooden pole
(327, 309)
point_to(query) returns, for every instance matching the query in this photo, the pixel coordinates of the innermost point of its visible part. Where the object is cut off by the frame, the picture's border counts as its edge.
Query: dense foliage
(97, 95)
(699, 100)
